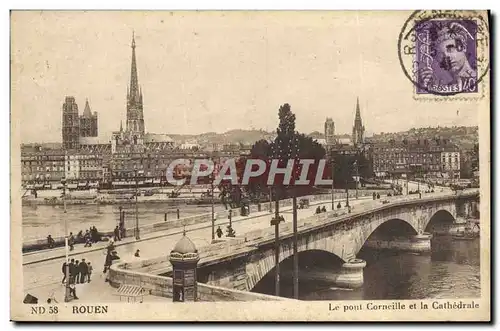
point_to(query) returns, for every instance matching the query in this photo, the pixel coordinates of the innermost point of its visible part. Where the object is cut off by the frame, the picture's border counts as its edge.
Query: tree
(287, 145)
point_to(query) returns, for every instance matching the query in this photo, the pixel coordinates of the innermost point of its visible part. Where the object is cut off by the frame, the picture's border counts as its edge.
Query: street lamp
(347, 192)
(276, 220)
(67, 293)
(120, 215)
(333, 189)
(212, 201)
(357, 177)
(137, 237)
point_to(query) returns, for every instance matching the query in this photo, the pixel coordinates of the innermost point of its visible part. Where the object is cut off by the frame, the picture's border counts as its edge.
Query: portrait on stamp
(446, 56)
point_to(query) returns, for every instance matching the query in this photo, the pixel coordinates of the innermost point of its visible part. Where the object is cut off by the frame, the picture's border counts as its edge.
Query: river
(40, 221)
(450, 271)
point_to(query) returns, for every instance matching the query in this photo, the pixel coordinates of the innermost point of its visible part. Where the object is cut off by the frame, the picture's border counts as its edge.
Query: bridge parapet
(338, 232)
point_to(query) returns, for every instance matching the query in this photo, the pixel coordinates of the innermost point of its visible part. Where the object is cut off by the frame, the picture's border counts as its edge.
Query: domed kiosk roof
(185, 246)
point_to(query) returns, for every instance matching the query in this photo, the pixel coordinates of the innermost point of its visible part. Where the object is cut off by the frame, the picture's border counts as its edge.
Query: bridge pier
(351, 274)
(447, 229)
(420, 243)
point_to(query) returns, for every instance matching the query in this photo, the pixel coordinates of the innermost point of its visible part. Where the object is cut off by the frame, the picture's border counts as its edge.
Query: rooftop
(184, 246)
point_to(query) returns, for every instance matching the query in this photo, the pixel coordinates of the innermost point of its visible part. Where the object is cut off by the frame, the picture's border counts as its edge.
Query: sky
(218, 71)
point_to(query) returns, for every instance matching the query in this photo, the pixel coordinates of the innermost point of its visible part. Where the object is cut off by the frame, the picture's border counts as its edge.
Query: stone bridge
(400, 223)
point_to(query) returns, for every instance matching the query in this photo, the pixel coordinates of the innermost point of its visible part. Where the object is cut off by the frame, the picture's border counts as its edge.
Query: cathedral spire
(134, 81)
(86, 110)
(358, 130)
(357, 119)
(135, 116)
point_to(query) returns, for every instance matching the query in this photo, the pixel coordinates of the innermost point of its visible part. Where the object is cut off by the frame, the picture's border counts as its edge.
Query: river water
(451, 271)
(40, 221)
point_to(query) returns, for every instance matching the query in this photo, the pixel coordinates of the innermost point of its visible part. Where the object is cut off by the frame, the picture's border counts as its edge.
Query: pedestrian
(86, 235)
(116, 234)
(71, 241)
(107, 262)
(71, 269)
(318, 210)
(72, 288)
(323, 210)
(63, 269)
(219, 232)
(76, 271)
(89, 271)
(50, 241)
(82, 268)
(111, 246)
(137, 253)
(88, 242)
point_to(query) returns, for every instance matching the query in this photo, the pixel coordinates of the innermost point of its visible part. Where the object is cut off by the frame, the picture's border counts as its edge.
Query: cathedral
(75, 126)
(81, 133)
(132, 138)
(358, 130)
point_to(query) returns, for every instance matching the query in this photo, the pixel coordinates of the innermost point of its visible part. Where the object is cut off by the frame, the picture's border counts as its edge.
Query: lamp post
(333, 187)
(212, 201)
(276, 221)
(270, 200)
(347, 192)
(357, 177)
(137, 235)
(67, 293)
(407, 181)
(120, 217)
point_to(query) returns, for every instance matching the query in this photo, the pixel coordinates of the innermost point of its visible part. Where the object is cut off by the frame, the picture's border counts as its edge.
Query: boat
(468, 234)
(463, 236)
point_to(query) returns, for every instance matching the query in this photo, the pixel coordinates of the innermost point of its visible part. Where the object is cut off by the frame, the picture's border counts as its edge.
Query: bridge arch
(260, 266)
(393, 227)
(317, 263)
(441, 218)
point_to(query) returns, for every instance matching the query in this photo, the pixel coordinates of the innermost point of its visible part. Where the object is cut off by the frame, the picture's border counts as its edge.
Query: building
(75, 126)
(450, 161)
(88, 122)
(43, 166)
(135, 115)
(358, 130)
(70, 124)
(417, 158)
(329, 132)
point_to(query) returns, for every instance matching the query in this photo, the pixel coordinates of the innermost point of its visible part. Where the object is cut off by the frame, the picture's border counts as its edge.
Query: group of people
(230, 232)
(320, 210)
(80, 272)
(119, 232)
(88, 238)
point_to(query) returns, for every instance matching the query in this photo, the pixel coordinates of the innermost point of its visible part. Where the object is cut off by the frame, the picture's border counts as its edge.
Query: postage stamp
(444, 54)
(250, 166)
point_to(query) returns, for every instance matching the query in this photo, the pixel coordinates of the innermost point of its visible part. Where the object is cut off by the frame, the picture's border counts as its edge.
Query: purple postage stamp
(446, 56)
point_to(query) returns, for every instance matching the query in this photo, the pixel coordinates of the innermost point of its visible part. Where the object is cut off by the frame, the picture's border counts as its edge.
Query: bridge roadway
(42, 272)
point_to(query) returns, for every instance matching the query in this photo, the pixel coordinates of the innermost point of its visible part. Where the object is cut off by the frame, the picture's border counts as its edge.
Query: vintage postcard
(250, 166)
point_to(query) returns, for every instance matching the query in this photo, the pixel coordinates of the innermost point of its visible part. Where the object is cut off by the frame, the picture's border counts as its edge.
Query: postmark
(444, 54)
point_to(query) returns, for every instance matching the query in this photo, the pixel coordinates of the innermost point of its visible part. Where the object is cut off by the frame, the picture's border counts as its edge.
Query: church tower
(70, 124)
(358, 130)
(135, 116)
